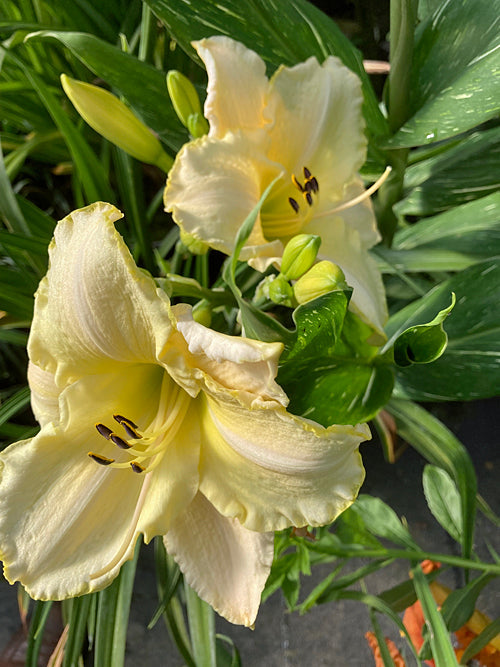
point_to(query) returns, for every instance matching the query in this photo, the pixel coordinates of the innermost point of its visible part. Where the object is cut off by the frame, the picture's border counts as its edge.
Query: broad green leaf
(442, 650)
(351, 528)
(338, 391)
(443, 500)
(472, 229)
(460, 604)
(282, 32)
(423, 343)
(439, 446)
(470, 366)
(418, 260)
(382, 520)
(346, 384)
(455, 71)
(464, 173)
(318, 325)
(143, 86)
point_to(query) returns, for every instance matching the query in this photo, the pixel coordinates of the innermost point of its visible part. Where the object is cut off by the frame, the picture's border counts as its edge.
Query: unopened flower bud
(202, 313)
(299, 255)
(194, 245)
(197, 125)
(186, 103)
(109, 116)
(280, 291)
(323, 277)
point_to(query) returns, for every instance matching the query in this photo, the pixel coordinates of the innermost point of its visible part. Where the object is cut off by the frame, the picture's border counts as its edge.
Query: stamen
(104, 431)
(119, 442)
(314, 184)
(307, 174)
(308, 198)
(294, 204)
(124, 420)
(136, 467)
(131, 432)
(102, 460)
(360, 198)
(297, 183)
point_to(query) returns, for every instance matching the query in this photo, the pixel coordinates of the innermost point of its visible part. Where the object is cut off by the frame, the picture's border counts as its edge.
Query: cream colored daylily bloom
(304, 124)
(187, 433)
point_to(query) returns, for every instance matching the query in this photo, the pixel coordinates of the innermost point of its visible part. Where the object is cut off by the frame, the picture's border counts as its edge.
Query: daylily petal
(213, 186)
(94, 307)
(69, 519)
(44, 395)
(246, 368)
(270, 469)
(237, 85)
(318, 122)
(359, 217)
(175, 481)
(226, 564)
(75, 522)
(342, 245)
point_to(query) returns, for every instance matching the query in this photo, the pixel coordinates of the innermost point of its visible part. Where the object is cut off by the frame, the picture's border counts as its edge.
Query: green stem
(201, 628)
(403, 19)
(455, 561)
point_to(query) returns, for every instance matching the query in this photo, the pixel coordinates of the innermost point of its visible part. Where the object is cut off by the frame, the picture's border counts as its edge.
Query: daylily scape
(153, 424)
(305, 126)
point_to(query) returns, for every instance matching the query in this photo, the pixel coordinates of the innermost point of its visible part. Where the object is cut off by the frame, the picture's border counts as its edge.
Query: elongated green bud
(323, 277)
(186, 103)
(299, 255)
(109, 116)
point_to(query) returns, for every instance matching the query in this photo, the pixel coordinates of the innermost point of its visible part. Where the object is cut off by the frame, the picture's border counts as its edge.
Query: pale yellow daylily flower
(304, 124)
(152, 423)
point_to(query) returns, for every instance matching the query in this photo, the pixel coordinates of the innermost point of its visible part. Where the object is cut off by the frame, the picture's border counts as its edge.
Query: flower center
(310, 188)
(141, 450)
(282, 220)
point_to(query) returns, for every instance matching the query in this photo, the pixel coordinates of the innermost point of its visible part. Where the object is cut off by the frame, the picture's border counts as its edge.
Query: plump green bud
(186, 103)
(197, 125)
(280, 291)
(109, 116)
(299, 255)
(323, 277)
(194, 245)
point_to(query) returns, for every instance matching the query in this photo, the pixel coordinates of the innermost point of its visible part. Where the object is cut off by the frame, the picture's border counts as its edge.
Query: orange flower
(395, 654)
(414, 622)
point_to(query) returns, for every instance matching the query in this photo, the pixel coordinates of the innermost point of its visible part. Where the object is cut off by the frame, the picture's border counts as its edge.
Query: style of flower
(304, 125)
(152, 423)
